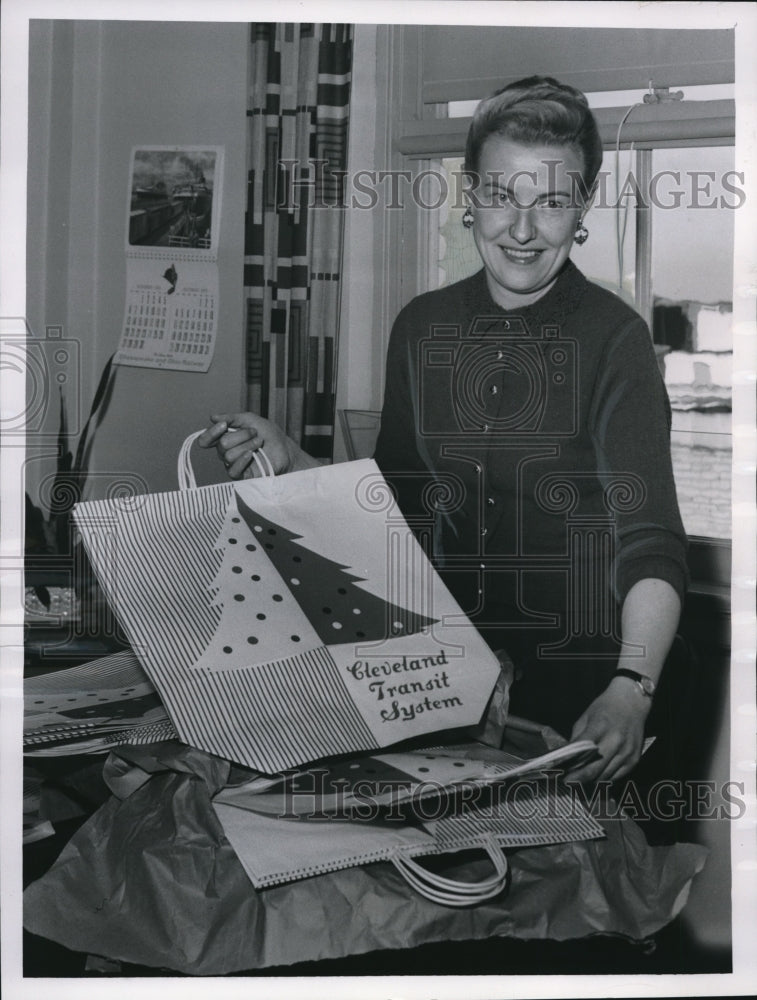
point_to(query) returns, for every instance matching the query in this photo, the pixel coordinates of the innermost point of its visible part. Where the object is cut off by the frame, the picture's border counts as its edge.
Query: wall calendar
(173, 213)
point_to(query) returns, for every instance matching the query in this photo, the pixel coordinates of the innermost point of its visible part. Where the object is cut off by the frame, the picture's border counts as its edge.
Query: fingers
(615, 745)
(616, 725)
(220, 423)
(237, 467)
(598, 770)
(236, 447)
(238, 436)
(618, 755)
(211, 435)
(234, 444)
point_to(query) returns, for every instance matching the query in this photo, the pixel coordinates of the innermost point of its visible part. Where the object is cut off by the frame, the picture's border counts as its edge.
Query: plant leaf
(109, 371)
(64, 454)
(35, 540)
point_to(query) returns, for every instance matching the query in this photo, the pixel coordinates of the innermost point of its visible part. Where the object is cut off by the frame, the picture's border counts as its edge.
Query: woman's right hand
(237, 436)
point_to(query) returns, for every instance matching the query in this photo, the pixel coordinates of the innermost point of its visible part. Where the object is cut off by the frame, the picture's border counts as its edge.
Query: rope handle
(450, 892)
(185, 472)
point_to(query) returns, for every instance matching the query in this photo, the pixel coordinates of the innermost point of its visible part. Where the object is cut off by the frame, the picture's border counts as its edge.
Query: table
(101, 902)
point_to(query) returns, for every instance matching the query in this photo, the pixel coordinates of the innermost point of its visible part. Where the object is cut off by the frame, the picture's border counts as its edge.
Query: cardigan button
(490, 501)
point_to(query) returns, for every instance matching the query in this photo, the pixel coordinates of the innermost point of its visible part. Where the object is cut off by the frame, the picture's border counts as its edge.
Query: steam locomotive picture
(172, 198)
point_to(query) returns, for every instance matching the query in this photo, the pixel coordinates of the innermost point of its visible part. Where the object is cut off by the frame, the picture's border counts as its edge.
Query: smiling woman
(532, 155)
(524, 216)
(533, 400)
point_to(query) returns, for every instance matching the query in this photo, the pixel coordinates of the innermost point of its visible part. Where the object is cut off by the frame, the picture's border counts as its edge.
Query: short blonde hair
(538, 111)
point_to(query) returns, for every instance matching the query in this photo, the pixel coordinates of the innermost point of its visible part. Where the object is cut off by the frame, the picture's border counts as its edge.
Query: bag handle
(186, 474)
(450, 892)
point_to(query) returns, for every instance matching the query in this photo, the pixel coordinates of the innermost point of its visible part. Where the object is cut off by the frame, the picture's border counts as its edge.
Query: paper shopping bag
(414, 784)
(93, 707)
(287, 619)
(275, 849)
(388, 807)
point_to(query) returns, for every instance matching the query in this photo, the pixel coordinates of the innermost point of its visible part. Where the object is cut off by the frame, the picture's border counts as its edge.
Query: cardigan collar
(562, 299)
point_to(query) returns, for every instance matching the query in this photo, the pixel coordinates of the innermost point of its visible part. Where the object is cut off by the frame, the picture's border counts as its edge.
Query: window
(692, 311)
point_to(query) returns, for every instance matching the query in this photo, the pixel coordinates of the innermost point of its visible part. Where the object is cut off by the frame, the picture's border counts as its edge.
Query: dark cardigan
(533, 447)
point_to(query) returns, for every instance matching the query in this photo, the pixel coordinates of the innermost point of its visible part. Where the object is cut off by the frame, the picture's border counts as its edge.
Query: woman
(526, 425)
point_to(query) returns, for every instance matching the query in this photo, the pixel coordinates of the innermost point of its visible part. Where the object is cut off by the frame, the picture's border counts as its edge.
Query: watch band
(646, 684)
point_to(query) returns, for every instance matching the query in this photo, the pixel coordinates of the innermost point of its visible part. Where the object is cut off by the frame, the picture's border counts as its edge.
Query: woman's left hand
(615, 722)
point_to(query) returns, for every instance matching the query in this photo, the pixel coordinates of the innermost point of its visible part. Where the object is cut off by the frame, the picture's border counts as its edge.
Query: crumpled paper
(149, 879)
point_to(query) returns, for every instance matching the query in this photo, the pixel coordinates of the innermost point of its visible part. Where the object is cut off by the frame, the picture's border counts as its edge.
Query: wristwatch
(646, 684)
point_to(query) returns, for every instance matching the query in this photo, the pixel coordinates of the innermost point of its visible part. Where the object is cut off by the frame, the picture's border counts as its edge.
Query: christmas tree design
(275, 598)
(325, 591)
(258, 619)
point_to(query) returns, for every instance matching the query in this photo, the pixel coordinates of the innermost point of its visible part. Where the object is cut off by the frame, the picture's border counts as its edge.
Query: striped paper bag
(402, 808)
(287, 619)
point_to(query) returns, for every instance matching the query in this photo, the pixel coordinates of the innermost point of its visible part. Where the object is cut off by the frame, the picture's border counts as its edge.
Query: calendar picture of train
(172, 198)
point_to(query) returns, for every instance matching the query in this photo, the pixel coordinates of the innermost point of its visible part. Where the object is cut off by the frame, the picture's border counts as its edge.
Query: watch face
(647, 685)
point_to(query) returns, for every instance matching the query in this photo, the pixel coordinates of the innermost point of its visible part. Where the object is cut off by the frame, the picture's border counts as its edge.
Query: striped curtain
(298, 115)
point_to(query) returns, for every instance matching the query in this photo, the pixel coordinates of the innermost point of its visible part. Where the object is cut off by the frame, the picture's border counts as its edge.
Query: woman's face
(526, 209)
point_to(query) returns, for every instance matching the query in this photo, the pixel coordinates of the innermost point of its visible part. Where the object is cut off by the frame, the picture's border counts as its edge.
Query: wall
(96, 90)
(360, 355)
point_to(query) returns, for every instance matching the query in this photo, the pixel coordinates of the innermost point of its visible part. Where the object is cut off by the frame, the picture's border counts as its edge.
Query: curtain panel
(297, 127)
